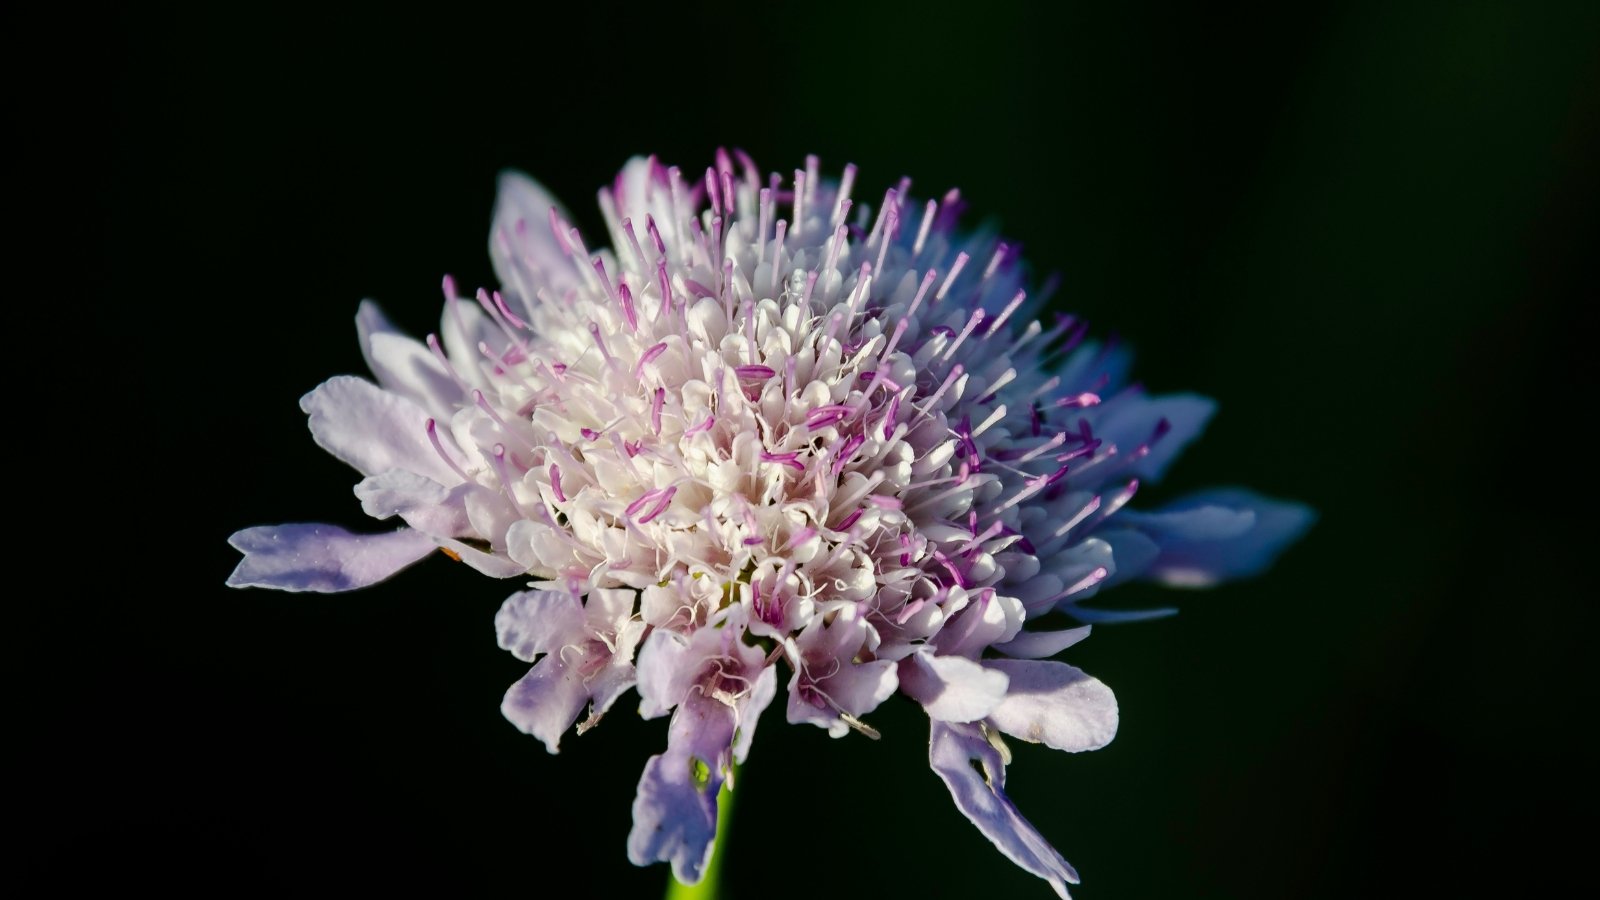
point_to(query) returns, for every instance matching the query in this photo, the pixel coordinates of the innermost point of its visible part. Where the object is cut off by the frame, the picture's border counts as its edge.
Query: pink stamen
(625, 297)
(950, 279)
(661, 497)
(633, 241)
(846, 451)
(823, 416)
(438, 447)
(800, 537)
(649, 356)
(791, 460)
(973, 322)
(1078, 401)
(1006, 313)
(439, 354)
(910, 609)
(893, 418)
(665, 284)
(499, 458)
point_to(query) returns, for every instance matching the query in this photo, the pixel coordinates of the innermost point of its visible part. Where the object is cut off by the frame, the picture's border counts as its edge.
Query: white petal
(522, 246)
(404, 365)
(533, 622)
(372, 429)
(491, 564)
(410, 369)
(397, 491)
(952, 688)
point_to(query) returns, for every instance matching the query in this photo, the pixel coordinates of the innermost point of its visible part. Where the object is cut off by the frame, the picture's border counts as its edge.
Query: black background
(1365, 228)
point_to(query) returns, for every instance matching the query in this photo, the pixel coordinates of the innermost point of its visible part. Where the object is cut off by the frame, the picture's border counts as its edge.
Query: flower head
(773, 438)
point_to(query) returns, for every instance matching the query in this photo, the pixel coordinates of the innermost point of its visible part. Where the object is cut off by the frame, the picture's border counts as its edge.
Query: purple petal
(830, 680)
(372, 430)
(751, 706)
(951, 688)
(1202, 544)
(546, 701)
(611, 682)
(675, 809)
(981, 798)
(663, 676)
(533, 622)
(322, 558)
(1054, 704)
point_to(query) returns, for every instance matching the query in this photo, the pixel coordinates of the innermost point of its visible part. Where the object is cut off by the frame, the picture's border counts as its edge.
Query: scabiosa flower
(773, 439)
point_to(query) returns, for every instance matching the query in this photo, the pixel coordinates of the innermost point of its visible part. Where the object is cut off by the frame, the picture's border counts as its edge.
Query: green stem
(707, 888)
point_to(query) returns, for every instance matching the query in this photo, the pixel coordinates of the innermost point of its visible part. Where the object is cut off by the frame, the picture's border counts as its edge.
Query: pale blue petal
(546, 701)
(1191, 519)
(1132, 421)
(322, 558)
(982, 799)
(675, 808)
(1054, 704)
(1096, 367)
(1116, 616)
(1201, 544)
(1131, 552)
(1041, 644)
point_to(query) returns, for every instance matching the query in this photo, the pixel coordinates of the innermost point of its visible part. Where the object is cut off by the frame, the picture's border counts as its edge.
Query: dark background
(1367, 230)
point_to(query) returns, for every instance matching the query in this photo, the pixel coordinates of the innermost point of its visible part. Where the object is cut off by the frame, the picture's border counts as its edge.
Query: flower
(773, 435)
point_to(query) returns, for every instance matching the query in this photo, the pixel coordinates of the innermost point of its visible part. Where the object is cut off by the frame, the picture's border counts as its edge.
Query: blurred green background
(1366, 228)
